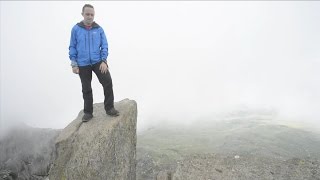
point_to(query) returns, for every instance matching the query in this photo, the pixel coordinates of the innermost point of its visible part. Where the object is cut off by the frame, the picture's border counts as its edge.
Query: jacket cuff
(105, 61)
(74, 63)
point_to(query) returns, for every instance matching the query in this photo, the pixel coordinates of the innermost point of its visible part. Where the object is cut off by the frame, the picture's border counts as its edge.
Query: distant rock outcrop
(103, 148)
(26, 153)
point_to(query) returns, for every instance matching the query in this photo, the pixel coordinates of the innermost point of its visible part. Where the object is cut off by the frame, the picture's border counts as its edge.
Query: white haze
(179, 60)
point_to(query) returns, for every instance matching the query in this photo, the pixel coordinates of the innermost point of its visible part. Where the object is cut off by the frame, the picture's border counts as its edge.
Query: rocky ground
(243, 145)
(244, 167)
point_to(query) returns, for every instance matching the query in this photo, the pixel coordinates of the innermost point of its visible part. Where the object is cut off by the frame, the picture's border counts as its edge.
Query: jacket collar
(94, 25)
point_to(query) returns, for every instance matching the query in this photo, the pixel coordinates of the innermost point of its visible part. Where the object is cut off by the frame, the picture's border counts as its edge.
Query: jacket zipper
(92, 41)
(89, 47)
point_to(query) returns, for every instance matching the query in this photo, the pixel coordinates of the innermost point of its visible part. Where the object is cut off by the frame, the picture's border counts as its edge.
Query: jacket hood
(94, 25)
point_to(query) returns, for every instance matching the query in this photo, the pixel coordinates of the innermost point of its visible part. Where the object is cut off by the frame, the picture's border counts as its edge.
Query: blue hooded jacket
(87, 46)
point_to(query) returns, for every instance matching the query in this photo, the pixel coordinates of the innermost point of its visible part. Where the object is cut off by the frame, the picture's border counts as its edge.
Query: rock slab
(103, 148)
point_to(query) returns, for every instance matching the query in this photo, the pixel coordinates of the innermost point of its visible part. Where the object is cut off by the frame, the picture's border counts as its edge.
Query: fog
(180, 61)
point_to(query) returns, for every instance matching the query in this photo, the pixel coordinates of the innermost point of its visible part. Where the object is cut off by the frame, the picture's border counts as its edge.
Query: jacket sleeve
(104, 46)
(73, 48)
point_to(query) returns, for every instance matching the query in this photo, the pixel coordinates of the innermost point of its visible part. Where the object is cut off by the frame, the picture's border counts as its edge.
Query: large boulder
(103, 148)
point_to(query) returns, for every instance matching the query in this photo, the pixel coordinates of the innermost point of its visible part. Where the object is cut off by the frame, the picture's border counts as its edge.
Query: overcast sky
(178, 60)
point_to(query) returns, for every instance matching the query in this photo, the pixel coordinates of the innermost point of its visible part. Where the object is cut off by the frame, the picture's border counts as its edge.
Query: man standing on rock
(88, 51)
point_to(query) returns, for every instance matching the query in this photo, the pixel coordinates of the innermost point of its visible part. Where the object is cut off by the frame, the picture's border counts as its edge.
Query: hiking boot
(86, 117)
(113, 112)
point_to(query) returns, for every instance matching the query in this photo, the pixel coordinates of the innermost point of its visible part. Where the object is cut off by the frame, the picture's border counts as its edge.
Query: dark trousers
(85, 73)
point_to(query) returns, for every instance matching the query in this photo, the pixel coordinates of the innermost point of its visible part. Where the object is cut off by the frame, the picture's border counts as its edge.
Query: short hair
(87, 5)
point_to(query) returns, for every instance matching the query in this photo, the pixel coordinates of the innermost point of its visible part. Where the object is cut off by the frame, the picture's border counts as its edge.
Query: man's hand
(103, 68)
(75, 70)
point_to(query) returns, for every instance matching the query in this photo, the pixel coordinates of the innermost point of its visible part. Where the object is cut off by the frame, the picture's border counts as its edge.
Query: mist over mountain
(258, 139)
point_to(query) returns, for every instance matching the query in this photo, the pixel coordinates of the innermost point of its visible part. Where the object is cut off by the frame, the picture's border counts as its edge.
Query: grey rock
(26, 152)
(163, 175)
(103, 148)
(7, 175)
(221, 166)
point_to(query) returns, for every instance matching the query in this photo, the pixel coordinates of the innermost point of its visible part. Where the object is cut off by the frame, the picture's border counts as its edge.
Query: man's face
(88, 15)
